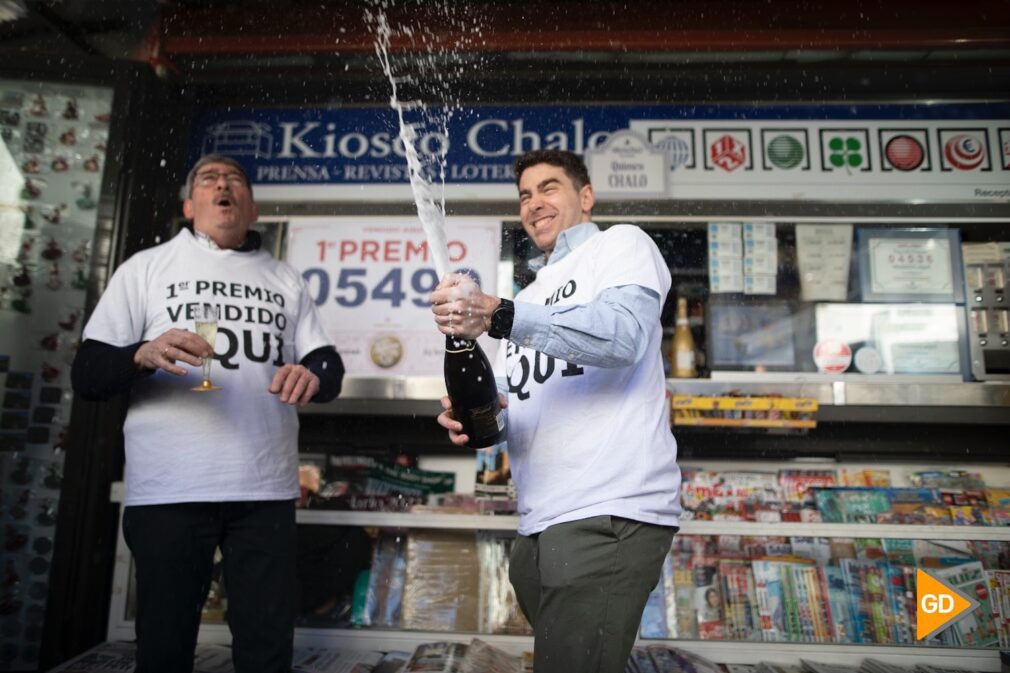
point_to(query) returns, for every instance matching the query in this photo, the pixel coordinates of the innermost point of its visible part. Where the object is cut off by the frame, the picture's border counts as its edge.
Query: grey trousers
(583, 587)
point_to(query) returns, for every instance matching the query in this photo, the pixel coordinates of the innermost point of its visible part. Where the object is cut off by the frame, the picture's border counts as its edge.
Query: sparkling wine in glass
(207, 316)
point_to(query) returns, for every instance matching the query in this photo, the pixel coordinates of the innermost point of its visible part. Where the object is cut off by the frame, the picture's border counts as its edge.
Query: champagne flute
(207, 316)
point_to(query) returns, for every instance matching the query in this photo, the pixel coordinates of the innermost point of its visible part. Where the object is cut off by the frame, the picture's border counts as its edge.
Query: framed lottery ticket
(910, 265)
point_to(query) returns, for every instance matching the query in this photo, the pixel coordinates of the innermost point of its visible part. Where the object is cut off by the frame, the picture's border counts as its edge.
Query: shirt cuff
(531, 325)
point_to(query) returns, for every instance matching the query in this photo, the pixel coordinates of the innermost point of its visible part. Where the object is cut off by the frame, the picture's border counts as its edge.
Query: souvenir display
(56, 134)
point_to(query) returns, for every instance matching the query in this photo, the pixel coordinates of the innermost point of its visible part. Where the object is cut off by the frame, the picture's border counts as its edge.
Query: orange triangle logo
(937, 604)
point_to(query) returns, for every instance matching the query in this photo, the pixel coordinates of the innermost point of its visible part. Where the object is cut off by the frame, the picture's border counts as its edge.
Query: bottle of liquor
(470, 384)
(683, 351)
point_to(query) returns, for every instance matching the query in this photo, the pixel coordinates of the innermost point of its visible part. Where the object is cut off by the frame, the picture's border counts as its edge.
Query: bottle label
(488, 420)
(685, 360)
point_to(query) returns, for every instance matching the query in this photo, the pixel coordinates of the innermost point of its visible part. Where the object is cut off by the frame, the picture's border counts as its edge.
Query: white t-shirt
(238, 443)
(586, 441)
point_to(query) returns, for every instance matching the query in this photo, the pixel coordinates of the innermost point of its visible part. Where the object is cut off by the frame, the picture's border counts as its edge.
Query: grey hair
(214, 159)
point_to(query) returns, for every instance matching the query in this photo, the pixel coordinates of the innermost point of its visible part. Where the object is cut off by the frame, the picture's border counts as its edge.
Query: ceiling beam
(564, 25)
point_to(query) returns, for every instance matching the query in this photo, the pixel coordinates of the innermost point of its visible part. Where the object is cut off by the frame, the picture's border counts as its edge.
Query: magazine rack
(723, 651)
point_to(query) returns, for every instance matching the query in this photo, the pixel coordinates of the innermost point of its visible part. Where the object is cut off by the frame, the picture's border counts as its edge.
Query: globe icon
(784, 152)
(680, 152)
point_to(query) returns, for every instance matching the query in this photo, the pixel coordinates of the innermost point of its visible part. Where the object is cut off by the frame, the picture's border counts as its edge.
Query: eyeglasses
(210, 178)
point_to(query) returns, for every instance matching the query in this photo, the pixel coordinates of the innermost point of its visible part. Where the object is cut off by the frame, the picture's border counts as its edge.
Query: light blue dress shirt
(610, 331)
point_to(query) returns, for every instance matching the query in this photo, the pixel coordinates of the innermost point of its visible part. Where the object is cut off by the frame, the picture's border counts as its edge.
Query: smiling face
(549, 203)
(223, 208)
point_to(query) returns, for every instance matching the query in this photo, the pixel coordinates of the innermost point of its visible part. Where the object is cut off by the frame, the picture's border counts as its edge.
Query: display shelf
(840, 397)
(746, 423)
(788, 529)
(721, 651)
(407, 520)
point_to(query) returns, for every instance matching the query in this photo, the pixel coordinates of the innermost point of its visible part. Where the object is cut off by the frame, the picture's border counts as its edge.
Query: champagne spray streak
(430, 211)
(468, 375)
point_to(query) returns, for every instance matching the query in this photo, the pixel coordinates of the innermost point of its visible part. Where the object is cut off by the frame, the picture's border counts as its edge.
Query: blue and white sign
(936, 153)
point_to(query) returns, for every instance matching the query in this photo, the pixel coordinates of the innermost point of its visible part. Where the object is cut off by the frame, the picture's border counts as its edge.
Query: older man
(217, 469)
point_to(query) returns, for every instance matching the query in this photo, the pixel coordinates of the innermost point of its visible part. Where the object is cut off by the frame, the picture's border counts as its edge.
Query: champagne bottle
(683, 352)
(470, 384)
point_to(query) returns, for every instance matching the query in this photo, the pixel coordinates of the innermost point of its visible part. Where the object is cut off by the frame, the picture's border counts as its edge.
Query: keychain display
(33, 188)
(70, 111)
(54, 282)
(23, 278)
(38, 107)
(53, 251)
(70, 322)
(54, 215)
(29, 221)
(81, 253)
(86, 201)
(57, 136)
(80, 280)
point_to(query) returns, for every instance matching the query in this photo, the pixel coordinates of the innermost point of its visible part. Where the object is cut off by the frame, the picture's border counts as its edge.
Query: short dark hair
(572, 164)
(213, 159)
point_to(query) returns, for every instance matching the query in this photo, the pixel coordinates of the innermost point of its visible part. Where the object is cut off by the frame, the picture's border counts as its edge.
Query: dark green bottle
(470, 384)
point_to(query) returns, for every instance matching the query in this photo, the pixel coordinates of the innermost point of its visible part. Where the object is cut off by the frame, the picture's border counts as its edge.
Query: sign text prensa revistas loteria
(945, 152)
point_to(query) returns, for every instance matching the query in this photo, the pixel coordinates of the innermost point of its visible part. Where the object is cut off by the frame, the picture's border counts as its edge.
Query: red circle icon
(832, 356)
(964, 152)
(904, 152)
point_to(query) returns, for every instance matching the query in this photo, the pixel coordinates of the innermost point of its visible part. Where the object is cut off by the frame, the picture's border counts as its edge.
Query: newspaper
(117, 657)
(322, 660)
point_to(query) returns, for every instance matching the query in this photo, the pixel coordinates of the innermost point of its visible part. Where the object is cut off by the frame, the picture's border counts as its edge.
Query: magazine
(978, 628)
(769, 596)
(878, 666)
(323, 660)
(839, 604)
(865, 583)
(821, 667)
(708, 597)
(481, 657)
(654, 622)
(639, 661)
(499, 610)
(739, 603)
(385, 582)
(442, 657)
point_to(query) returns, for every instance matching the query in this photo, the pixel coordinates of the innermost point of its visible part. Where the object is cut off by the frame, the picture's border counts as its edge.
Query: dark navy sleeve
(327, 364)
(101, 370)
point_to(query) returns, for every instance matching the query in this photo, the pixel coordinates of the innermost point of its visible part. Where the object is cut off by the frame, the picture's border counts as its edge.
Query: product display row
(952, 497)
(836, 298)
(816, 590)
(477, 656)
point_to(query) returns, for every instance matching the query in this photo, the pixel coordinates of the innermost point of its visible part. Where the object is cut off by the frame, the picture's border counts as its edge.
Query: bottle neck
(455, 344)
